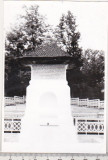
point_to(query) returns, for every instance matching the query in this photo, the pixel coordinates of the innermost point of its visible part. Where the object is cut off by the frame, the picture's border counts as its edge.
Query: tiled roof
(49, 50)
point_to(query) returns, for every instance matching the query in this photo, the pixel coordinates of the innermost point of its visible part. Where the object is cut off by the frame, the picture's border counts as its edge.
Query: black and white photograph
(54, 76)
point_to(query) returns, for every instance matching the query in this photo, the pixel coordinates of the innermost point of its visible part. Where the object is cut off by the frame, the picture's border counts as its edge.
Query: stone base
(48, 138)
(48, 123)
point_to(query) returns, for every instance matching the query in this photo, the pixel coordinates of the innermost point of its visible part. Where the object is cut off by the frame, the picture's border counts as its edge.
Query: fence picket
(88, 103)
(14, 100)
(90, 126)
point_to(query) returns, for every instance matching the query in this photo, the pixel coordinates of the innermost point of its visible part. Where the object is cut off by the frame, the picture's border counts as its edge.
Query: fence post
(78, 102)
(87, 102)
(86, 126)
(15, 99)
(23, 99)
(98, 103)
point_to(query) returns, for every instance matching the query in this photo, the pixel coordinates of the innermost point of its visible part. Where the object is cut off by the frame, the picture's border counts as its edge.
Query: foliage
(88, 82)
(17, 77)
(29, 34)
(85, 74)
(93, 67)
(68, 37)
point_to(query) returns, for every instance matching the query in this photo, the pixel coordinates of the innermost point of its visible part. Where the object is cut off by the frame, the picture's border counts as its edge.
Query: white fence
(85, 123)
(90, 126)
(14, 100)
(83, 126)
(12, 125)
(89, 115)
(12, 118)
(89, 103)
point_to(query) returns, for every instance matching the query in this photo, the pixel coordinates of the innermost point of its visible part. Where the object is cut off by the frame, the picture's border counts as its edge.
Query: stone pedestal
(48, 124)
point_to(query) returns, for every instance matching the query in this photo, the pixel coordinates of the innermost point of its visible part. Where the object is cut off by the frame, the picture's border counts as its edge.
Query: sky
(91, 18)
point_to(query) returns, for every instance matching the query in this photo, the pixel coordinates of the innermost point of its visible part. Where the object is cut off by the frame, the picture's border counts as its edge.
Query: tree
(17, 77)
(68, 37)
(29, 34)
(93, 73)
(93, 67)
(26, 36)
(14, 44)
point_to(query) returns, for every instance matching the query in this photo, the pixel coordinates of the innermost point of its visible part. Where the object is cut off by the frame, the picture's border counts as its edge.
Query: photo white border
(2, 71)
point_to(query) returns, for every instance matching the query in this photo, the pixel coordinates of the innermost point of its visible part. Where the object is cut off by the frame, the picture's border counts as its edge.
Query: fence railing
(12, 118)
(86, 126)
(12, 125)
(14, 100)
(89, 103)
(89, 115)
(90, 126)
(86, 123)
